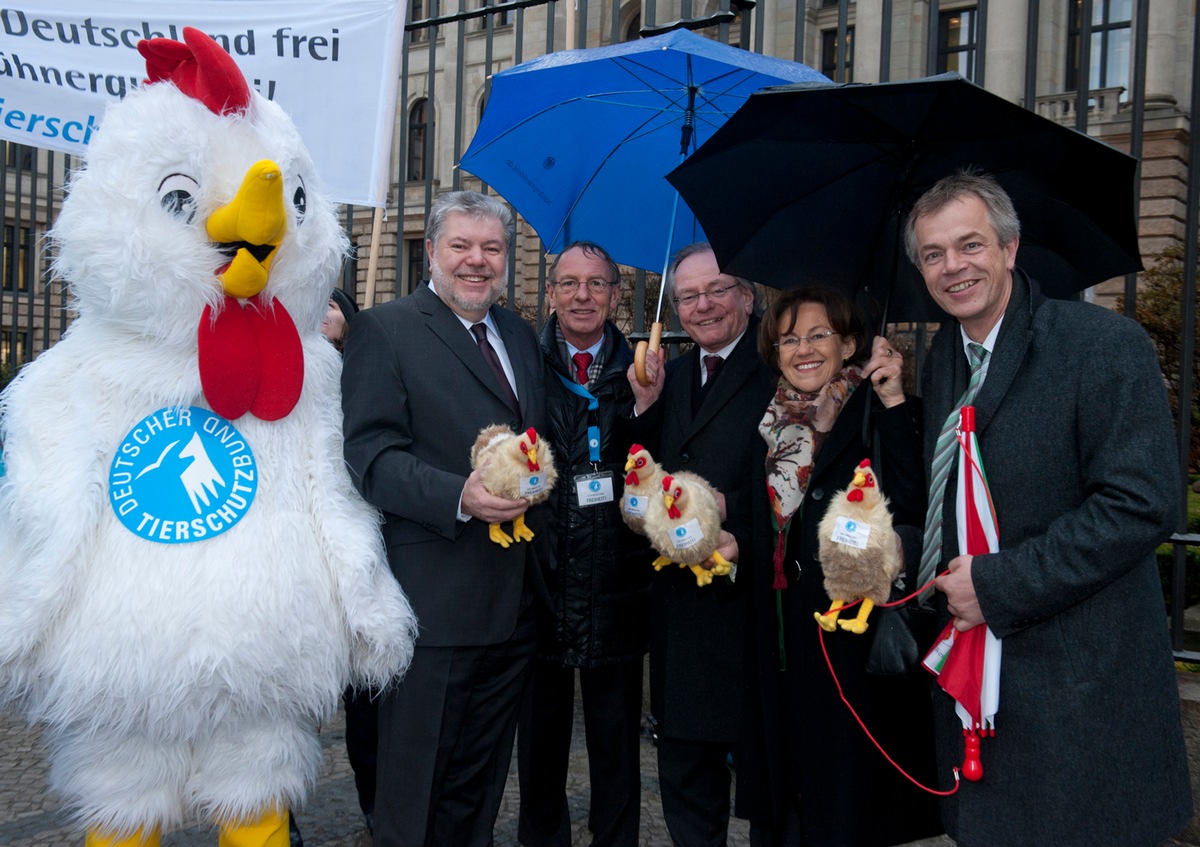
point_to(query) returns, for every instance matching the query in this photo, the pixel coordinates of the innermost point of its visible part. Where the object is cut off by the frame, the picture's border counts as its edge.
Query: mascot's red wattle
(189, 579)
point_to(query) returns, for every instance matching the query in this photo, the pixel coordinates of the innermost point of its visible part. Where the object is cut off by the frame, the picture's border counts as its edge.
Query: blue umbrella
(579, 141)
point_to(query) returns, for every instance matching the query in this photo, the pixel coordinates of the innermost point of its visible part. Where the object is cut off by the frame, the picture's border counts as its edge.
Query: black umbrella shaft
(689, 122)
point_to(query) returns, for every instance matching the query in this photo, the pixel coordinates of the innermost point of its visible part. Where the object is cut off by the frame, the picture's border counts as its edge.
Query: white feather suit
(183, 680)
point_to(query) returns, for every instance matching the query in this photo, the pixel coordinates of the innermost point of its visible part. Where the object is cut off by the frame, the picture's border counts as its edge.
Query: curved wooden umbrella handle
(639, 353)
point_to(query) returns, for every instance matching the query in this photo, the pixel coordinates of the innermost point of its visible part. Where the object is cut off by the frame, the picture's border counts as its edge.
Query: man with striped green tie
(1072, 417)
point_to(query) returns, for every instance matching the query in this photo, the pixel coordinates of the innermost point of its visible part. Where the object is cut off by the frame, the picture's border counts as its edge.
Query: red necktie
(582, 361)
(489, 354)
(711, 363)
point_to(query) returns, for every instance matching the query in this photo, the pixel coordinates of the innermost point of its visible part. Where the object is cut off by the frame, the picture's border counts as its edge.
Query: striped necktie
(943, 459)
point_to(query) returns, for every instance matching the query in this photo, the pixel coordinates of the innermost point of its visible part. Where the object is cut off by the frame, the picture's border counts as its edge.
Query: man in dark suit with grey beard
(422, 376)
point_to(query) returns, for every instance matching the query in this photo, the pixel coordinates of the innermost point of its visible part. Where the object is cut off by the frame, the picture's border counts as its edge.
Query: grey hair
(589, 248)
(687, 252)
(1000, 212)
(468, 203)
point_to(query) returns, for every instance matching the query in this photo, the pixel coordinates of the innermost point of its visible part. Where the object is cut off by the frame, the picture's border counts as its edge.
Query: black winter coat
(598, 585)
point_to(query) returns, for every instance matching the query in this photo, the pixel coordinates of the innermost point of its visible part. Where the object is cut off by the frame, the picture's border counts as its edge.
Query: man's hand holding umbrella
(961, 601)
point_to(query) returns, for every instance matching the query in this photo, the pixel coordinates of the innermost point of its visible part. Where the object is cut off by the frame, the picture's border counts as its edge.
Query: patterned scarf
(795, 428)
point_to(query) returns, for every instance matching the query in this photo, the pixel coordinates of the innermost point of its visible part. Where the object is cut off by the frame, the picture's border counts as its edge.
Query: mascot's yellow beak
(249, 229)
(860, 479)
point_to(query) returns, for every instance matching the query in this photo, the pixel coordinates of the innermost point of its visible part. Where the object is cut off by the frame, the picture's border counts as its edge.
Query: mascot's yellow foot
(660, 563)
(703, 575)
(271, 830)
(520, 531)
(858, 625)
(138, 839)
(499, 536)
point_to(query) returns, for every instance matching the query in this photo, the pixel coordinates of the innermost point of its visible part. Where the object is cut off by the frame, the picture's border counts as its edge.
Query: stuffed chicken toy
(860, 556)
(187, 578)
(514, 466)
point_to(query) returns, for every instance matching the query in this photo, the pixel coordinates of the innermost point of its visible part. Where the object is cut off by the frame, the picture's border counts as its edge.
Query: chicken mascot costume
(187, 578)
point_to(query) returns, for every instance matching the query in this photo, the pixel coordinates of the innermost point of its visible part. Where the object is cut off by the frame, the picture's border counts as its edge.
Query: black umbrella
(811, 183)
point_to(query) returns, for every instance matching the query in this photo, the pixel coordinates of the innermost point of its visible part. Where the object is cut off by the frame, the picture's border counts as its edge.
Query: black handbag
(903, 634)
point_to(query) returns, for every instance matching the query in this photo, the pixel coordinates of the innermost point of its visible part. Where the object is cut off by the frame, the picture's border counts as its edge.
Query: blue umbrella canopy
(579, 141)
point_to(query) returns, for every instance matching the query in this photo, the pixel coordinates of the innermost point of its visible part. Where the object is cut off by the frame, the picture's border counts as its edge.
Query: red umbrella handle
(972, 767)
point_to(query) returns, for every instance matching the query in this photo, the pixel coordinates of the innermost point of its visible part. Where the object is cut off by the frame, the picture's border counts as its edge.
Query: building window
(414, 248)
(417, 13)
(18, 156)
(633, 29)
(10, 354)
(1110, 45)
(498, 19)
(956, 42)
(418, 128)
(16, 258)
(829, 55)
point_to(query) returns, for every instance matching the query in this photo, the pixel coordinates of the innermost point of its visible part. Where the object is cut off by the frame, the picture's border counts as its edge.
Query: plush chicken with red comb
(516, 466)
(187, 578)
(860, 555)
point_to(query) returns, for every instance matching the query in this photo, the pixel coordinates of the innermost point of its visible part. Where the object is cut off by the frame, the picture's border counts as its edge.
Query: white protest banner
(332, 64)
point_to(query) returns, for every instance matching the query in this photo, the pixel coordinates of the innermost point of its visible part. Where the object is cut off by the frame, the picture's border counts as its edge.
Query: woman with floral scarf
(828, 784)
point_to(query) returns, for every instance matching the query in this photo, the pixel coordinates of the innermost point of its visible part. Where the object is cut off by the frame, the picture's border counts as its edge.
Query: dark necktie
(582, 362)
(944, 452)
(711, 365)
(489, 354)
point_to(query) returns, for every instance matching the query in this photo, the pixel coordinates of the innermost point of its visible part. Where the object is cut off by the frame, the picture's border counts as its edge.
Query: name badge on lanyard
(594, 488)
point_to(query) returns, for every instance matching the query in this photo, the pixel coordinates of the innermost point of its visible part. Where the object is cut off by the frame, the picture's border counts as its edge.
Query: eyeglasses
(791, 342)
(596, 286)
(715, 294)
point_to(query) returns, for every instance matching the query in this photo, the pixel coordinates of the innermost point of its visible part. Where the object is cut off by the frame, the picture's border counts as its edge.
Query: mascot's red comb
(199, 68)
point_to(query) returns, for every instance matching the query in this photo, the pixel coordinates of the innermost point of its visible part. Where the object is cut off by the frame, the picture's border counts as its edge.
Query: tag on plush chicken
(850, 531)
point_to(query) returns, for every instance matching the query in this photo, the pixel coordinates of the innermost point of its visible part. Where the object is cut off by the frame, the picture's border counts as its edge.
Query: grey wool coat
(1076, 439)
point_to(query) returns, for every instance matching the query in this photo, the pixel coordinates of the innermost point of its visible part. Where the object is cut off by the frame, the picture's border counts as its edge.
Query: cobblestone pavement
(31, 817)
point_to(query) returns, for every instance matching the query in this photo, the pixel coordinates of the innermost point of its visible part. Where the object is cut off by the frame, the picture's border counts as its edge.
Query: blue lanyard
(593, 435)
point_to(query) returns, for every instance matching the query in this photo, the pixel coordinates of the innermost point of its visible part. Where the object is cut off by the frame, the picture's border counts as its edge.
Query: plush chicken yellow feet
(499, 536)
(828, 621)
(858, 625)
(138, 839)
(520, 531)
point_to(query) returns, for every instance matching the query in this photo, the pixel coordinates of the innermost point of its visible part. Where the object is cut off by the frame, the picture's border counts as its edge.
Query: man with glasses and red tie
(700, 413)
(599, 584)
(422, 376)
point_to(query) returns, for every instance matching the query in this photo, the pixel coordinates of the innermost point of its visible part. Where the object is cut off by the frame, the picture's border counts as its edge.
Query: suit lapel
(1011, 346)
(519, 361)
(733, 375)
(442, 321)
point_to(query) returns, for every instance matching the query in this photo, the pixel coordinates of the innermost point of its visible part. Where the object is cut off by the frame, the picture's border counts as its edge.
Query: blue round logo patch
(593, 485)
(182, 475)
(681, 532)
